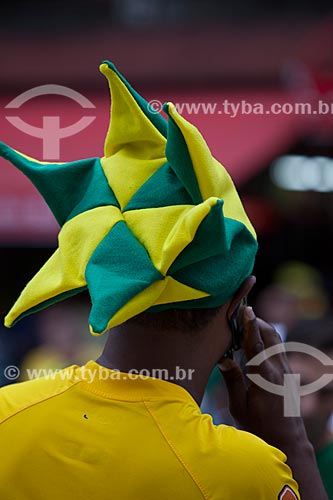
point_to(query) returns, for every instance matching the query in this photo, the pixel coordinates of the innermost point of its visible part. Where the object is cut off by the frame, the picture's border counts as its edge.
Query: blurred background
(200, 55)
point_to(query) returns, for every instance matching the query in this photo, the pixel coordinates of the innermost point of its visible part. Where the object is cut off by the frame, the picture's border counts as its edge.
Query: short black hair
(184, 320)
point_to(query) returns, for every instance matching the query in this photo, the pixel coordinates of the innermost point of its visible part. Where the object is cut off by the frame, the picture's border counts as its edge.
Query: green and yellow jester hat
(154, 224)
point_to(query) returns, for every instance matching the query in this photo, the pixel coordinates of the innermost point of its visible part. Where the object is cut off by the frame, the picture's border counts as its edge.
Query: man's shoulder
(17, 397)
(230, 441)
(232, 460)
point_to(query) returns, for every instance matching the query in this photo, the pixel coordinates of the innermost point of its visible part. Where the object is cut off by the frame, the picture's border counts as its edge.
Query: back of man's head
(155, 224)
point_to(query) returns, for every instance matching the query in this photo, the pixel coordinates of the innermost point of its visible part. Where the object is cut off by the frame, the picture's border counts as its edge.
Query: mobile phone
(236, 326)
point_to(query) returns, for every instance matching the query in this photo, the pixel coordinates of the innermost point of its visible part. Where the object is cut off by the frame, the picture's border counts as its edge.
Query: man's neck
(156, 355)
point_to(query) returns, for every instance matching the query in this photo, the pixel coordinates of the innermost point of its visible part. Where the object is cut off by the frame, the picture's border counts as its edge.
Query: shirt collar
(124, 386)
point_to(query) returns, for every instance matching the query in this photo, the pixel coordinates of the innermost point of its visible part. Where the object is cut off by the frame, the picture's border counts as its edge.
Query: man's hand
(254, 409)
(261, 412)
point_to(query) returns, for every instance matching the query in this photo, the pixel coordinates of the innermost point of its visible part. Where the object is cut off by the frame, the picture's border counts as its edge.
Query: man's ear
(242, 292)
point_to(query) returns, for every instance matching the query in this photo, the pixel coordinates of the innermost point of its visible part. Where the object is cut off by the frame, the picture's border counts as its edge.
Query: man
(156, 232)
(317, 407)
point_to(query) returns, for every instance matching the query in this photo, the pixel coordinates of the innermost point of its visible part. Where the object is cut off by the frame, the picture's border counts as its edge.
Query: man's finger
(268, 333)
(253, 343)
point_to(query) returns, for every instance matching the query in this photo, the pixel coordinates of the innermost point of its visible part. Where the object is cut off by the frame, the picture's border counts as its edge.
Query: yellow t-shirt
(89, 432)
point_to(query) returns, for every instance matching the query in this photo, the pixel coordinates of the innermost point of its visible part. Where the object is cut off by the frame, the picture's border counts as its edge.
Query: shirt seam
(178, 456)
(30, 405)
(135, 399)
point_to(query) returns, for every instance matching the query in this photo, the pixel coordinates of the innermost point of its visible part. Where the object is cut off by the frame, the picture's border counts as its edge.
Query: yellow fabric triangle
(126, 175)
(134, 148)
(177, 292)
(65, 269)
(129, 127)
(136, 305)
(166, 231)
(160, 292)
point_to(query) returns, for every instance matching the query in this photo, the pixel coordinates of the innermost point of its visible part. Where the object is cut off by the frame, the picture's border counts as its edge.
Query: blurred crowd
(50, 340)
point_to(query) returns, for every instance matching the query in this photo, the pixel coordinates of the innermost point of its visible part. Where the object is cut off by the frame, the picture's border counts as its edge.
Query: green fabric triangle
(152, 194)
(118, 269)
(219, 244)
(68, 188)
(209, 240)
(179, 158)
